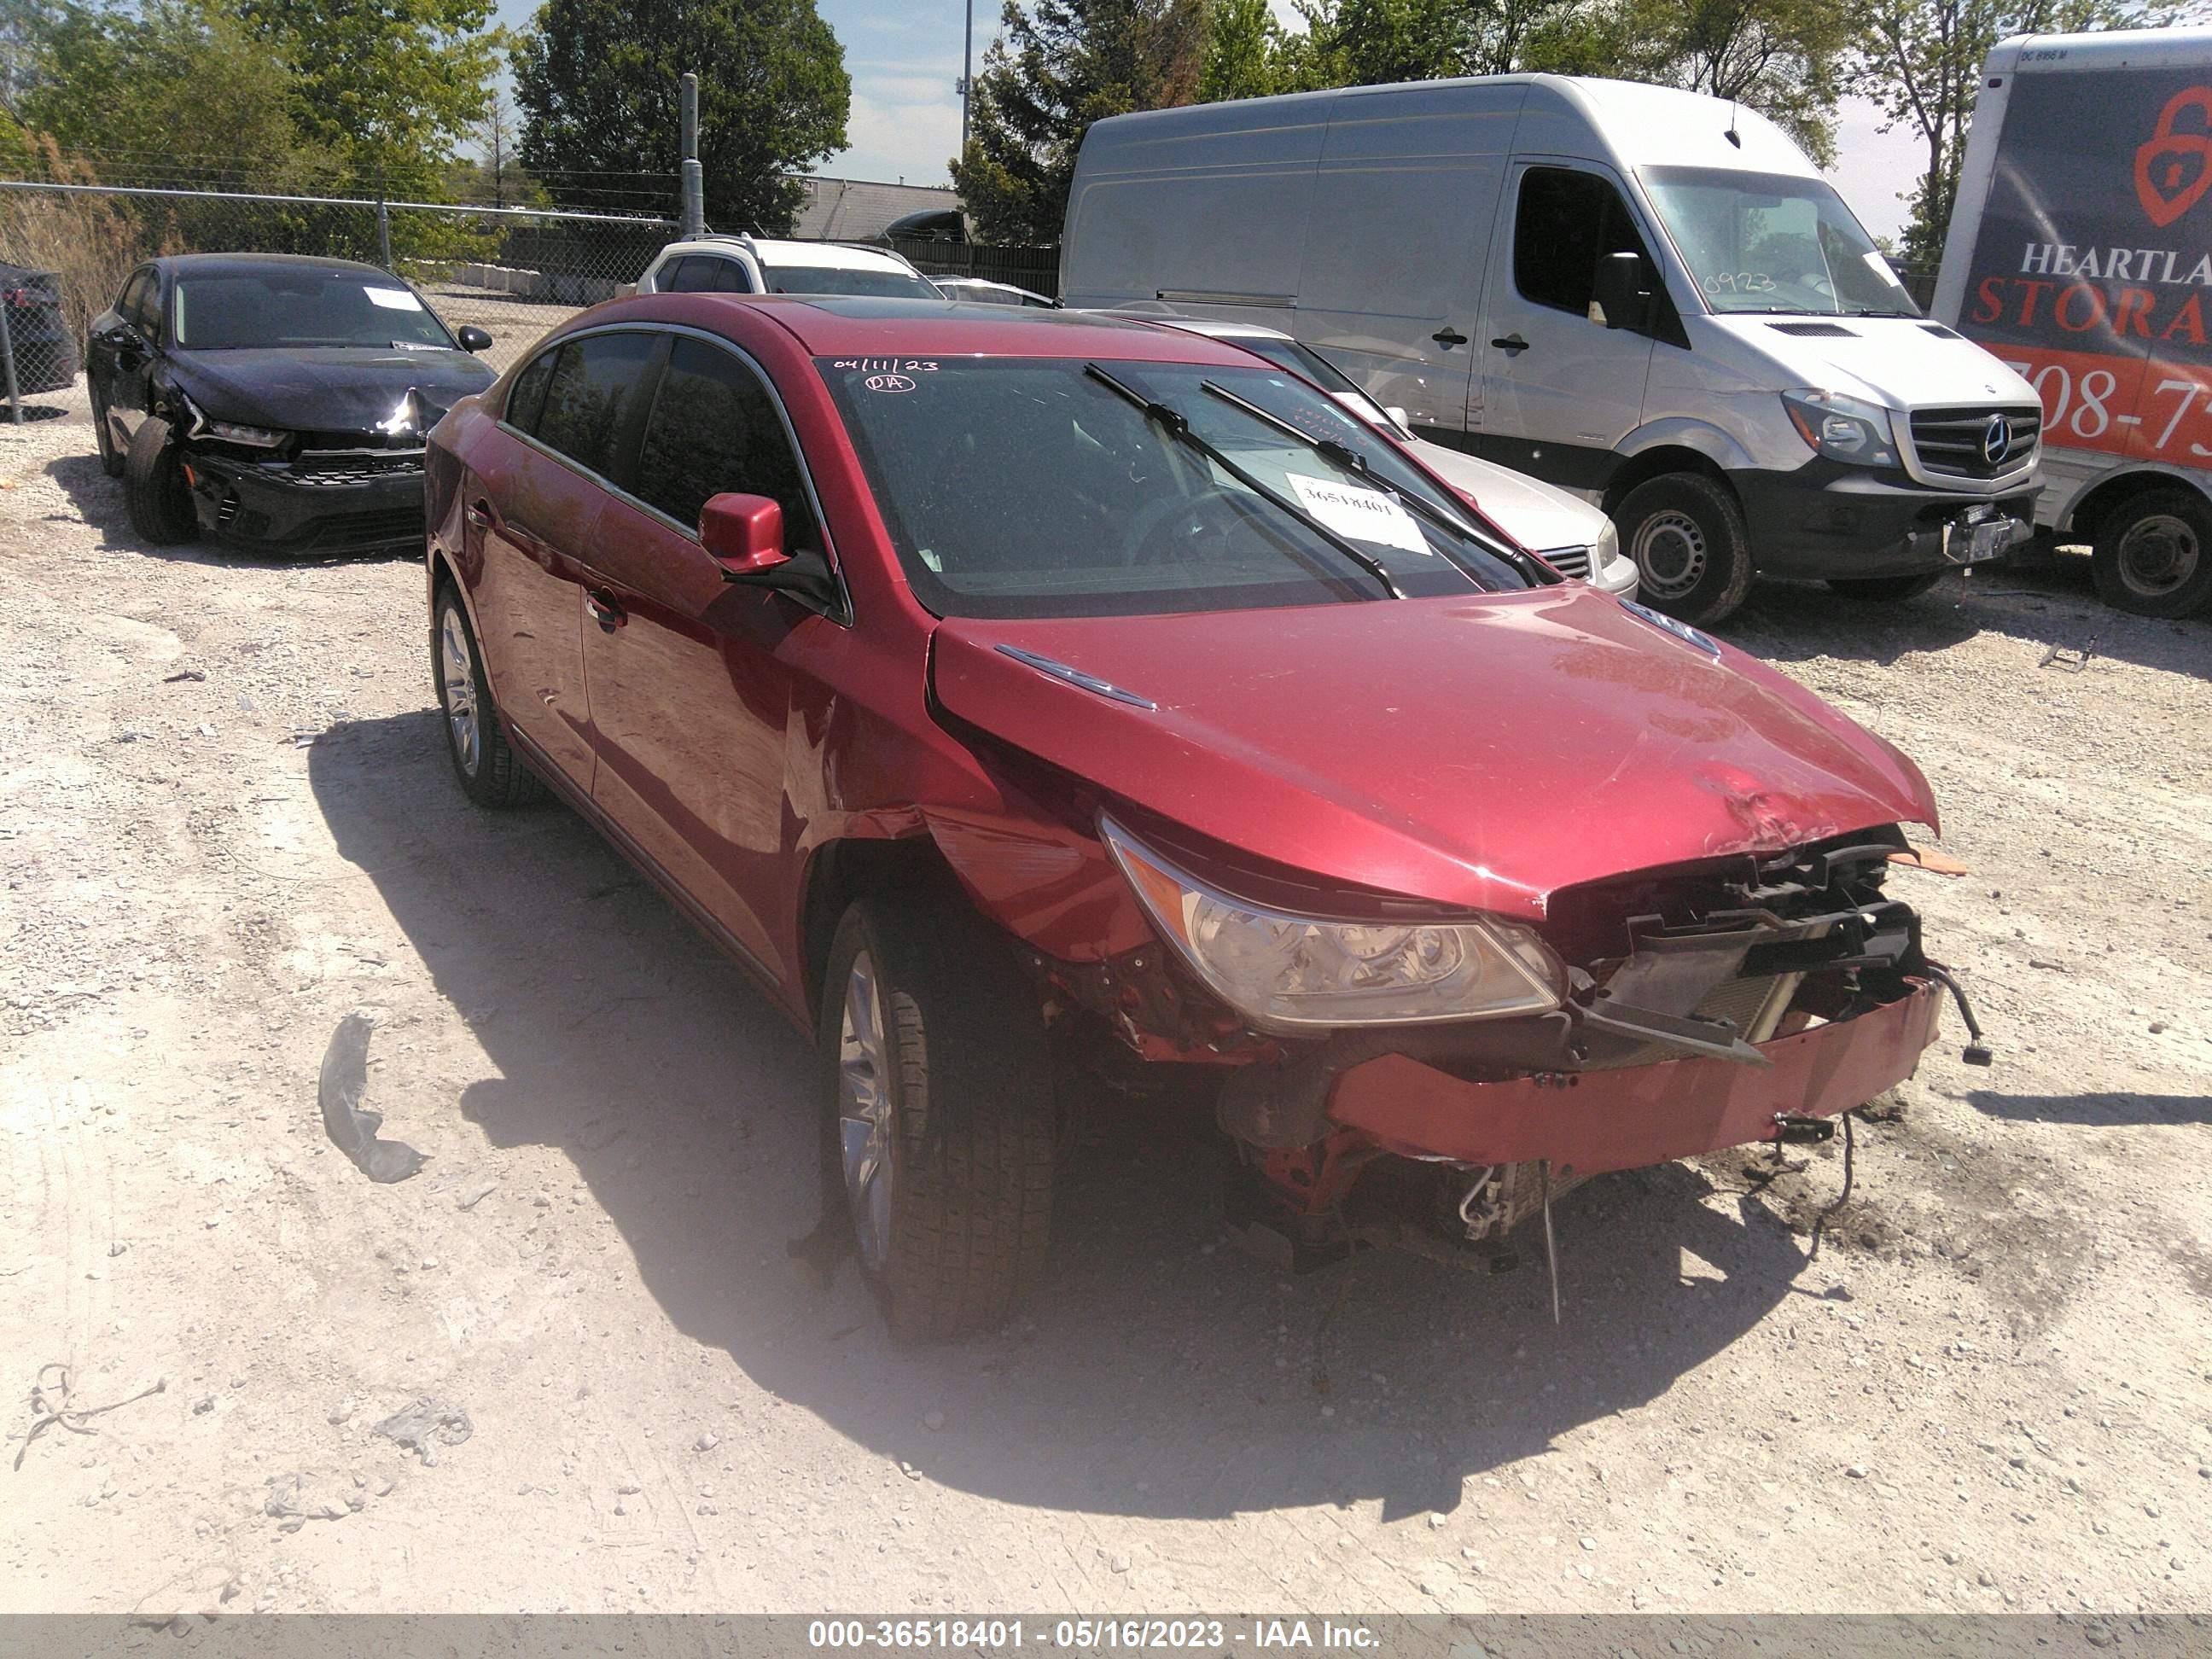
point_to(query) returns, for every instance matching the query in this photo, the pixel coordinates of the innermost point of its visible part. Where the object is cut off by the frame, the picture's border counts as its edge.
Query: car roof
(245, 264)
(829, 326)
(834, 256)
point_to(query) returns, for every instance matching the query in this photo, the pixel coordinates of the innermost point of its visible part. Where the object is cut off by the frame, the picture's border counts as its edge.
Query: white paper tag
(1367, 515)
(391, 299)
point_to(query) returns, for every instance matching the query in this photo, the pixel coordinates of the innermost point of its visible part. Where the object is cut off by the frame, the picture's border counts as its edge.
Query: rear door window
(1565, 223)
(714, 427)
(684, 276)
(591, 396)
(526, 397)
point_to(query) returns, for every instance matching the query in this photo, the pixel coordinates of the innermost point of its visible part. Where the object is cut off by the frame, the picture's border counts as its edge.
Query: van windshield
(1033, 487)
(1767, 241)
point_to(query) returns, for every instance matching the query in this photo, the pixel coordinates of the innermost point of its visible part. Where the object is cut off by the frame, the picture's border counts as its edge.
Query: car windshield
(239, 309)
(1032, 487)
(1305, 360)
(1758, 241)
(835, 279)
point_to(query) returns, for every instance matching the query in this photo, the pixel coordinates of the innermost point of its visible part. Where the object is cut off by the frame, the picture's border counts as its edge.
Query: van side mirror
(744, 534)
(1622, 290)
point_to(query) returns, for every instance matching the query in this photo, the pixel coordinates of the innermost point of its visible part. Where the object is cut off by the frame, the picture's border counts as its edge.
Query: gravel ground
(226, 821)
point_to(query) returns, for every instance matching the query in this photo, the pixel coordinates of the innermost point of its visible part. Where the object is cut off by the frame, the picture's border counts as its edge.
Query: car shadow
(2101, 1111)
(98, 499)
(2041, 596)
(1156, 1371)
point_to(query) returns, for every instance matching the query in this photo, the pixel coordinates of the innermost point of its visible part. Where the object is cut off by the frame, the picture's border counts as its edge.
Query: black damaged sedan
(277, 402)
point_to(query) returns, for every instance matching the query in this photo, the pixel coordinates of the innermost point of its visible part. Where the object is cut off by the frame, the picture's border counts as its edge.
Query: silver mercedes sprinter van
(1647, 295)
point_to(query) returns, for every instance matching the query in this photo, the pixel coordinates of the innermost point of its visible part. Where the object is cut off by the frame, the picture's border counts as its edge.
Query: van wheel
(2153, 555)
(937, 1115)
(1693, 555)
(153, 486)
(491, 772)
(1886, 588)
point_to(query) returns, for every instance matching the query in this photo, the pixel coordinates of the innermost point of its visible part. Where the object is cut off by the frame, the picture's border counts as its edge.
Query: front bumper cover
(1827, 520)
(1586, 1122)
(373, 503)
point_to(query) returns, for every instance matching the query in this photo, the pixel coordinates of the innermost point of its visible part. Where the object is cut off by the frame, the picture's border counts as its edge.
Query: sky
(904, 59)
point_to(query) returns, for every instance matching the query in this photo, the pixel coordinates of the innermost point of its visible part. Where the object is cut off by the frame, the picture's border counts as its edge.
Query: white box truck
(1647, 295)
(2080, 252)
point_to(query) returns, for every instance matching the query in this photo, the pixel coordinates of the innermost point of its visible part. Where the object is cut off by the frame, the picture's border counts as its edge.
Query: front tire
(1693, 554)
(111, 458)
(492, 775)
(2153, 555)
(1885, 590)
(938, 1122)
(153, 486)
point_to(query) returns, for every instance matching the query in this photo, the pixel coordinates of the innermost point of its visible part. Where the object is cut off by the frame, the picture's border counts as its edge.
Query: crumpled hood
(326, 388)
(1486, 751)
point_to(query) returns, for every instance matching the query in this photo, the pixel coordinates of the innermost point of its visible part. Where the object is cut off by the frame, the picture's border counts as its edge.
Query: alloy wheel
(457, 683)
(865, 1113)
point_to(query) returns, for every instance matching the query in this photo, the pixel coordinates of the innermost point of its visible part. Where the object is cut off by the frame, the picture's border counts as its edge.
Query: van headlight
(1842, 428)
(1289, 973)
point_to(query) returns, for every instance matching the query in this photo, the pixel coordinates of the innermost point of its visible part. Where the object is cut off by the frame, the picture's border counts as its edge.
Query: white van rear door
(1401, 214)
(1559, 391)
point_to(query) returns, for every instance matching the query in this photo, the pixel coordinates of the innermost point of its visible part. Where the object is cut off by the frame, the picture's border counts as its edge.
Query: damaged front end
(1651, 1017)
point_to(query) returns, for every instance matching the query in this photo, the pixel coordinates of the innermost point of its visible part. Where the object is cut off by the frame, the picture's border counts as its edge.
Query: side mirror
(1398, 418)
(744, 534)
(1622, 291)
(473, 339)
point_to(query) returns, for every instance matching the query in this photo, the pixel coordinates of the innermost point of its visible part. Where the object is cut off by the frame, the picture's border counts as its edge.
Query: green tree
(1920, 61)
(1777, 56)
(1244, 51)
(1055, 67)
(386, 89)
(597, 82)
(142, 92)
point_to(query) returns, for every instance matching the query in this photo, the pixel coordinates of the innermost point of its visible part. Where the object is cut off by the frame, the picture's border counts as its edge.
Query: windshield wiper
(1343, 455)
(1177, 426)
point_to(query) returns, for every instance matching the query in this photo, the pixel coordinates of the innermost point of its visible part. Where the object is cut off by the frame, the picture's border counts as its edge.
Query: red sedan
(1009, 691)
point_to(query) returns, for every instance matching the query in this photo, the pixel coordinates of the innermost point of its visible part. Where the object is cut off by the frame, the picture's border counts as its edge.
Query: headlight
(1289, 972)
(232, 433)
(1842, 428)
(1606, 550)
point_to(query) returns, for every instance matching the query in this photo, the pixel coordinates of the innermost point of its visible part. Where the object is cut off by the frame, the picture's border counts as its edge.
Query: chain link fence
(65, 250)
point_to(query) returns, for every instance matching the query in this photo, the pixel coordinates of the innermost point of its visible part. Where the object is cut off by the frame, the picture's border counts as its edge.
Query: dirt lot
(228, 822)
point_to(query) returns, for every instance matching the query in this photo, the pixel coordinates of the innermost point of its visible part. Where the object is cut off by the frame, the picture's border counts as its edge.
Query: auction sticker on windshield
(1349, 510)
(392, 298)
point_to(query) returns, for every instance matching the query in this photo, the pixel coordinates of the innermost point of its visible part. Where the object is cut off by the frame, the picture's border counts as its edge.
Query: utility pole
(692, 218)
(967, 77)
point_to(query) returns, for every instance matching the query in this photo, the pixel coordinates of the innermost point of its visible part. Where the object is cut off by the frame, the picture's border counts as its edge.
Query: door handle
(1447, 337)
(605, 612)
(481, 513)
(1512, 345)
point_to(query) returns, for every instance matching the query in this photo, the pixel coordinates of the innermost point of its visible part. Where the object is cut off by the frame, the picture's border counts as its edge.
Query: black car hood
(325, 388)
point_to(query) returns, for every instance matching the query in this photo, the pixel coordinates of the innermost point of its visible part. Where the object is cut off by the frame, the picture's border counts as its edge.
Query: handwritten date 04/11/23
(1128, 1634)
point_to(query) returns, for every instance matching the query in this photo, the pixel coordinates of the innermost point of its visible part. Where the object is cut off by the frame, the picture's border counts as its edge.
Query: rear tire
(491, 773)
(938, 1104)
(2153, 555)
(111, 458)
(1886, 589)
(153, 486)
(1693, 555)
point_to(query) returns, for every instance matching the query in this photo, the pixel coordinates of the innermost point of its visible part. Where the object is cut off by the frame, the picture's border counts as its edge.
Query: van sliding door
(1401, 214)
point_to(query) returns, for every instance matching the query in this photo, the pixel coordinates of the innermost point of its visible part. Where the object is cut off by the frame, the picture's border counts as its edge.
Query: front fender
(1686, 432)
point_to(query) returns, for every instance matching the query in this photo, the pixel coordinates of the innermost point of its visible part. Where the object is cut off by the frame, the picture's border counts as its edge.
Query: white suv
(750, 264)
